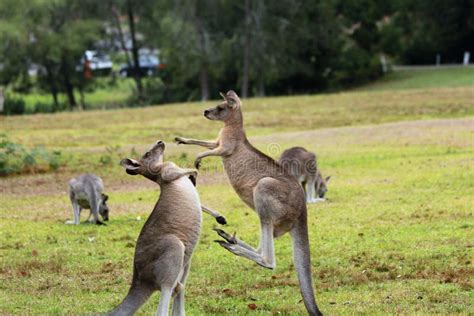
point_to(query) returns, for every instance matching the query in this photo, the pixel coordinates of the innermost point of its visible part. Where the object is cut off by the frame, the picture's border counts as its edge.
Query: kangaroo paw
(221, 220)
(179, 140)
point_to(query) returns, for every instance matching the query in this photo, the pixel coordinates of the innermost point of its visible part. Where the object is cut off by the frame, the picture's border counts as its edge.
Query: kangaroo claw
(227, 237)
(197, 163)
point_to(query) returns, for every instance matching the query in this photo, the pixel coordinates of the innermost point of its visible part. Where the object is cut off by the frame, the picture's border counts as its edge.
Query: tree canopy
(255, 47)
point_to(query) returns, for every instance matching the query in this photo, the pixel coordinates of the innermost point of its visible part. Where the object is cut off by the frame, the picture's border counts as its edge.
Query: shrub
(16, 159)
(13, 105)
(113, 154)
(153, 93)
(42, 107)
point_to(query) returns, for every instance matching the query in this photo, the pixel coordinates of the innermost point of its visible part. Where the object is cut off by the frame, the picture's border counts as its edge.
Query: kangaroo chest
(243, 176)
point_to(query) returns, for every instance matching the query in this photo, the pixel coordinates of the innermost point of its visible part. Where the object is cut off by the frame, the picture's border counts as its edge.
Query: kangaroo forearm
(202, 143)
(209, 211)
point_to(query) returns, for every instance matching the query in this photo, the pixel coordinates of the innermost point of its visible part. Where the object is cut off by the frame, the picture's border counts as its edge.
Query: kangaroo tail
(302, 261)
(135, 298)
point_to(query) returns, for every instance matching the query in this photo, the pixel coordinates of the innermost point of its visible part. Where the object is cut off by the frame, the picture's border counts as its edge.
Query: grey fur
(167, 240)
(303, 165)
(85, 191)
(264, 186)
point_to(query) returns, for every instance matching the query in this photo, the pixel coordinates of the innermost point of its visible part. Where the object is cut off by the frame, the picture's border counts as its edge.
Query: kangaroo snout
(206, 112)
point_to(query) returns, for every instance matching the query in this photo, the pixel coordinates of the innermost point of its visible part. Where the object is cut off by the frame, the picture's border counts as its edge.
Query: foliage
(153, 93)
(16, 159)
(255, 47)
(13, 105)
(112, 156)
(53, 35)
(417, 31)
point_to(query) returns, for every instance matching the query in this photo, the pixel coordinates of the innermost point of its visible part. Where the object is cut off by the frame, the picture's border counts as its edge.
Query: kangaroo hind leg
(168, 272)
(264, 205)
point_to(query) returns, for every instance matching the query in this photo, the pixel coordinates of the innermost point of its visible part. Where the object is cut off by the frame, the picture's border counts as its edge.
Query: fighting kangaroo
(167, 240)
(264, 186)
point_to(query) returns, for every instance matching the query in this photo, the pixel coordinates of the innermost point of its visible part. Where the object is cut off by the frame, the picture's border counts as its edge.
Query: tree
(54, 36)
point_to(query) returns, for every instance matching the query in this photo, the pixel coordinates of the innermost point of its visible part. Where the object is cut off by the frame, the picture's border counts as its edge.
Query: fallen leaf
(252, 306)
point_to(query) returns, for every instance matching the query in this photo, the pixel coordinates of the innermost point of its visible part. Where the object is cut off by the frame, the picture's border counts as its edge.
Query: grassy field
(105, 95)
(424, 78)
(395, 235)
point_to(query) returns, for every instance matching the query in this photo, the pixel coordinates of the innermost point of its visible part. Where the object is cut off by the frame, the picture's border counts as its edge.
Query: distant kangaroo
(85, 191)
(303, 165)
(264, 186)
(167, 240)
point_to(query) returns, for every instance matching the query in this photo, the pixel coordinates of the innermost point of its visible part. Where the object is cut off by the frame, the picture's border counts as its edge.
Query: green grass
(103, 96)
(424, 78)
(394, 236)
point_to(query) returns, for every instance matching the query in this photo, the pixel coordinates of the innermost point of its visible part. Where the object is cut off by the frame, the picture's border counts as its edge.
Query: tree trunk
(68, 86)
(82, 99)
(2, 99)
(116, 16)
(245, 73)
(52, 86)
(137, 75)
(70, 92)
(204, 81)
(261, 85)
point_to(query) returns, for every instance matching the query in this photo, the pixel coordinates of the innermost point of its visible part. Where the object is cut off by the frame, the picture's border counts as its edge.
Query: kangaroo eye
(147, 155)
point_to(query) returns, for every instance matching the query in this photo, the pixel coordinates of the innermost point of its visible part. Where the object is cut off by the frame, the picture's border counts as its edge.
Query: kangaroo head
(322, 186)
(226, 111)
(149, 165)
(104, 208)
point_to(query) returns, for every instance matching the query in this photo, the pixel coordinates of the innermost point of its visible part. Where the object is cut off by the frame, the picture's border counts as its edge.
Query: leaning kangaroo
(167, 240)
(303, 165)
(267, 188)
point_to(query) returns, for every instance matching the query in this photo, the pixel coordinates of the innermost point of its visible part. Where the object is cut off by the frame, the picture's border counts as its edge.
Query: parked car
(98, 62)
(150, 65)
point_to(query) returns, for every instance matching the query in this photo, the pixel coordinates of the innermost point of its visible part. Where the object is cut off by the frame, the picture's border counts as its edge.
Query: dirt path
(443, 132)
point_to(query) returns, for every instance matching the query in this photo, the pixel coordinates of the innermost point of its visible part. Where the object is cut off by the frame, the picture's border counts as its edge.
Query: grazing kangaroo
(264, 186)
(166, 243)
(85, 191)
(303, 165)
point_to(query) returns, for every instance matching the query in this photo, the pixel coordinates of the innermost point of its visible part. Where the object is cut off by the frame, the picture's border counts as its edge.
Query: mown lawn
(395, 235)
(461, 76)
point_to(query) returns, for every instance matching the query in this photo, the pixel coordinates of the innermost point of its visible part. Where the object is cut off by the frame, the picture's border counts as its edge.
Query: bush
(113, 155)
(16, 159)
(42, 107)
(13, 105)
(153, 92)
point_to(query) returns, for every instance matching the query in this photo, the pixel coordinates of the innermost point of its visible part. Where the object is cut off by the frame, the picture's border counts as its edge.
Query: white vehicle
(98, 62)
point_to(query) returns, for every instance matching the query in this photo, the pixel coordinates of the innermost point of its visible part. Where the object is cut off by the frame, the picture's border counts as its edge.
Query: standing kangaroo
(264, 186)
(167, 240)
(303, 165)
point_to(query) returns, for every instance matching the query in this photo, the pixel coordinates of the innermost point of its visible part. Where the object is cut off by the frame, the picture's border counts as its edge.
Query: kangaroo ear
(105, 197)
(232, 99)
(327, 179)
(193, 178)
(131, 166)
